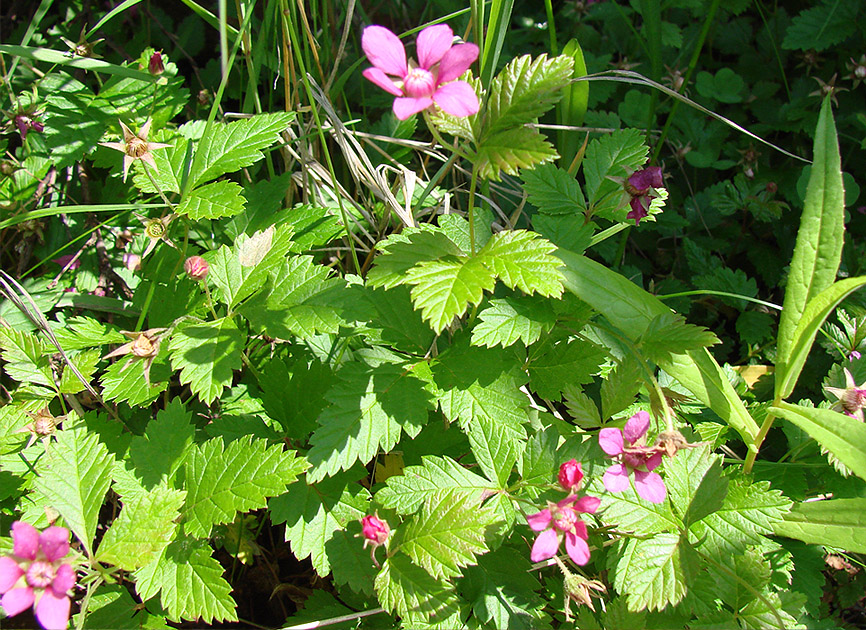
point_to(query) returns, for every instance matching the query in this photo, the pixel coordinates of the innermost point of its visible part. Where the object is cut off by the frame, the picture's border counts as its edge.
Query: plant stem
(759, 439)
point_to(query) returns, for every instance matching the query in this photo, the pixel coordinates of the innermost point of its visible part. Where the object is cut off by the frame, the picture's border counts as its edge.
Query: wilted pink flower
(562, 520)
(851, 399)
(65, 260)
(155, 65)
(375, 532)
(627, 445)
(640, 188)
(431, 80)
(136, 147)
(196, 267)
(35, 576)
(26, 123)
(570, 475)
(132, 261)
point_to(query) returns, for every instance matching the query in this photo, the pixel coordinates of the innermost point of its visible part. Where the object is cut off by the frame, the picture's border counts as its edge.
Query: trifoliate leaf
(159, 453)
(513, 318)
(405, 493)
(207, 355)
(222, 480)
(654, 572)
(553, 368)
(553, 191)
(447, 534)
(523, 260)
(511, 150)
(232, 146)
(407, 589)
(611, 155)
(74, 480)
(143, 528)
(401, 252)
(189, 583)
(370, 406)
(212, 201)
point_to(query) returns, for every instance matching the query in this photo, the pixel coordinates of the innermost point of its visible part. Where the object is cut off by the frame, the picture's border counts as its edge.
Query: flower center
(419, 83)
(564, 519)
(136, 147)
(41, 574)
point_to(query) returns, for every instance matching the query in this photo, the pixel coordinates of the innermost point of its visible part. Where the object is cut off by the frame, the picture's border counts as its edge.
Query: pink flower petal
(610, 441)
(616, 478)
(432, 43)
(636, 427)
(17, 600)
(64, 580)
(405, 107)
(382, 80)
(457, 61)
(653, 462)
(539, 520)
(384, 50)
(54, 542)
(26, 539)
(646, 178)
(580, 530)
(650, 486)
(457, 98)
(587, 504)
(545, 546)
(577, 548)
(638, 210)
(52, 611)
(9, 573)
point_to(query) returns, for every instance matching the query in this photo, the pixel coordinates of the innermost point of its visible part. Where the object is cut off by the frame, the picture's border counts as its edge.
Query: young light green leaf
(654, 572)
(511, 319)
(222, 480)
(401, 252)
(632, 513)
(496, 445)
(74, 480)
(142, 530)
(843, 436)
(370, 407)
(405, 493)
(232, 146)
(818, 250)
(78, 333)
(86, 363)
(189, 583)
(207, 355)
(553, 191)
(511, 150)
(447, 534)
(457, 229)
(834, 522)
(611, 155)
(213, 201)
(523, 260)
(159, 453)
(407, 589)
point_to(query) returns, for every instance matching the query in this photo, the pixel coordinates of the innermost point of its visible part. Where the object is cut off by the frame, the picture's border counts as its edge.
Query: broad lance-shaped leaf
(370, 407)
(819, 239)
(207, 355)
(213, 201)
(229, 147)
(816, 311)
(843, 436)
(631, 309)
(143, 528)
(222, 480)
(446, 535)
(834, 522)
(189, 583)
(74, 479)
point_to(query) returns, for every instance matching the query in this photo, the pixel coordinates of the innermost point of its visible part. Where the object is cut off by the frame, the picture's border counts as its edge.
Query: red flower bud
(375, 530)
(570, 475)
(196, 267)
(155, 65)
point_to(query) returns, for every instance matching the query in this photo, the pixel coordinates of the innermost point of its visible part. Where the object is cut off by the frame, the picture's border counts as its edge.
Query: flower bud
(155, 65)
(132, 261)
(375, 530)
(570, 475)
(196, 267)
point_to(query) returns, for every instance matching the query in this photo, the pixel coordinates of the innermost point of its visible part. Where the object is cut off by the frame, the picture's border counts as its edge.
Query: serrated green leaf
(406, 492)
(399, 325)
(567, 363)
(447, 534)
(444, 289)
(213, 201)
(401, 252)
(523, 260)
(842, 435)
(74, 479)
(112, 606)
(457, 229)
(695, 483)
(189, 583)
(207, 355)
(511, 150)
(144, 527)
(729, 281)
(370, 407)
(611, 155)
(496, 444)
(523, 91)
(818, 250)
(569, 232)
(230, 147)
(654, 572)
(78, 333)
(620, 387)
(538, 461)
(171, 163)
(222, 480)
(669, 334)
(160, 452)
(834, 522)
(632, 513)
(25, 358)
(126, 382)
(553, 191)
(407, 589)
(75, 119)
(822, 26)
(86, 363)
(511, 319)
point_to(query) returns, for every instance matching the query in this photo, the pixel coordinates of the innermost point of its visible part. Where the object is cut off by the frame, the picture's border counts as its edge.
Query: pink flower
(562, 520)
(196, 267)
(639, 186)
(570, 475)
(155, 65)
(66, 259)
(375, 532)
(627, 445)
(431, 80)
(28, 122)
(35, 575)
